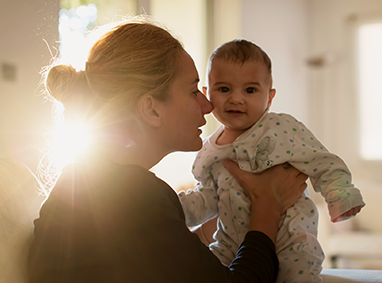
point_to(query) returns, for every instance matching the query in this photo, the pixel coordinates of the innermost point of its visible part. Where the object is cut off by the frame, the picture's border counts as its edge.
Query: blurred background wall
(24, 118)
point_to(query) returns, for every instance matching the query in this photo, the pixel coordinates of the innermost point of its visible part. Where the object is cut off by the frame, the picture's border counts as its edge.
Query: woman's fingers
(242, 177)
(294, 171)
(286, 165)
(282, 183)
(297, 187)
(298, 175)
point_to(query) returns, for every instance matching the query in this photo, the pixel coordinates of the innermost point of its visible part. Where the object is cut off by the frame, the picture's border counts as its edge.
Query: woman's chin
(195, 146)
(199, 145)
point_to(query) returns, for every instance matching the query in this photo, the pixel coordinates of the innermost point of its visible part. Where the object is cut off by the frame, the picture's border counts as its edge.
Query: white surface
(351, 276)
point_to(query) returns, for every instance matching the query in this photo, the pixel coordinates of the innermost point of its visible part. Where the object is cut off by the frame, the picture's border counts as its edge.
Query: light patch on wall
(370, 90)
(73, 25)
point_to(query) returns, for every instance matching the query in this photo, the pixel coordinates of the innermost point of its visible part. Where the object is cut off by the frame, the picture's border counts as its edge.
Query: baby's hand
(348, 214)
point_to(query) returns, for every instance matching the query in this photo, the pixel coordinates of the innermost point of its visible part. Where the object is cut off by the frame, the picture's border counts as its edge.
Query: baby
(240, 89)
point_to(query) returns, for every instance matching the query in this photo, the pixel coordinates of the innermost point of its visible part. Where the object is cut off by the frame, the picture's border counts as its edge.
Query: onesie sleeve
(328, 173)
(200, 204)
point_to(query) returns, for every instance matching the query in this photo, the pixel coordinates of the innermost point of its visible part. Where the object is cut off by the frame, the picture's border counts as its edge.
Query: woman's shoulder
(140, 178)
(111, 177)
(105, 171)
(141, 190)
(111, 187)
(137, 183)
(100, 180)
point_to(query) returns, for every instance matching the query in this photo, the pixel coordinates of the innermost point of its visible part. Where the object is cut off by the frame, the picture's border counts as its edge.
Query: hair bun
(61, 80)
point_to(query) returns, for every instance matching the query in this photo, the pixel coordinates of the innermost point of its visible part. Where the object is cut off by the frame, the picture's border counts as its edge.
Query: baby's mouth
(235, 112)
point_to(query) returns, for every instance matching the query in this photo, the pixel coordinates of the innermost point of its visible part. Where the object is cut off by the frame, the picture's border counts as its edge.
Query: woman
(108, 219)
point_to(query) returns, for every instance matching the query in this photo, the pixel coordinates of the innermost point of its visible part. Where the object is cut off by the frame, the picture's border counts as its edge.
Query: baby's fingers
(348, 214)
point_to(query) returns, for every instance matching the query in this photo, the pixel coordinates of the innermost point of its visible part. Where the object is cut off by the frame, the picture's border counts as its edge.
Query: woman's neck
(145, 157)
(114, 143)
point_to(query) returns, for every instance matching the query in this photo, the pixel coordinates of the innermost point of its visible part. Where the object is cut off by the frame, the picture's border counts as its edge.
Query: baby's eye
(224, 89)
(250, 90)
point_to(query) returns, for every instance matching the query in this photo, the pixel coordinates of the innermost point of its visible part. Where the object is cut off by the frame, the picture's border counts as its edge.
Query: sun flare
(69, 141)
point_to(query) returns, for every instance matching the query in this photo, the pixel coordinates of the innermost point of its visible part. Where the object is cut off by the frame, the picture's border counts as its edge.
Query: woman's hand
(271, 193)
(282, 184)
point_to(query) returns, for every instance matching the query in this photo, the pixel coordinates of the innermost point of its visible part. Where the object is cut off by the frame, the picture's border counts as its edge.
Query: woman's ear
(148, 108)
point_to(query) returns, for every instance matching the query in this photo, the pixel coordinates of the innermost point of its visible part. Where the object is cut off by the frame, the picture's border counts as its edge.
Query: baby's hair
(240, 51)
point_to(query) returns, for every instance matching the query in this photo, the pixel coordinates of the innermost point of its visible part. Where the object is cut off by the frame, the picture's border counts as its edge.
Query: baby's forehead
(228, 70)
(219, 62)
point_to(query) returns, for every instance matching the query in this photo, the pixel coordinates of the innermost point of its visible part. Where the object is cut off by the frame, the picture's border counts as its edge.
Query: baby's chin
(236, 128)
(228, 124)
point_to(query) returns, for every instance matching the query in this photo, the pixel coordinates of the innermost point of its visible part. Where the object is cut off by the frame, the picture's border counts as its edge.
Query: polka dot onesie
(276, 138)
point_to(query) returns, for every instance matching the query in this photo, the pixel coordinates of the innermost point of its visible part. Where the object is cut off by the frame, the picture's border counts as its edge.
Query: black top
(115, 223)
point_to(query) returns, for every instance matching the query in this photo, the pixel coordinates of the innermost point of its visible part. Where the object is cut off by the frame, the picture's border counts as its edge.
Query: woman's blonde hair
(132, 58)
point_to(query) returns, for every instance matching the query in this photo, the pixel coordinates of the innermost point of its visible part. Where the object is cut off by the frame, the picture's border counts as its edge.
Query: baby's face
(239, 93)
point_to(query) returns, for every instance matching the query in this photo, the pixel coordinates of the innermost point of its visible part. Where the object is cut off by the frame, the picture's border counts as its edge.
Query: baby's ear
(204, 90)
(272, 94)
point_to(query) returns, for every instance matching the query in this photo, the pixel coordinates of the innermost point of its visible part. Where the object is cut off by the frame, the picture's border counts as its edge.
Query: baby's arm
(200, 204)
(328, 173)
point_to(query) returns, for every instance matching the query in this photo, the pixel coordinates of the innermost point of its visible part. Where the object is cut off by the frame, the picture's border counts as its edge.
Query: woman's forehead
(187, 73)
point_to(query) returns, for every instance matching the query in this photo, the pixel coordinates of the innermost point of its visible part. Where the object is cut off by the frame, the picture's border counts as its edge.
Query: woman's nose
(205, 104)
